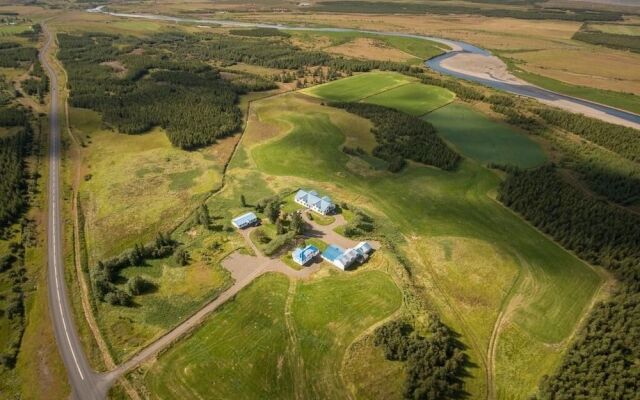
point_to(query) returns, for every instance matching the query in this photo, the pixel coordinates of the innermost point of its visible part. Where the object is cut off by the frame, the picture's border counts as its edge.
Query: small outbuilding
(245, 220)
(303, 255)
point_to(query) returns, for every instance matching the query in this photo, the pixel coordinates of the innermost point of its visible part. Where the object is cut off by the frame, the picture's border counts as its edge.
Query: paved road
(85, 384)
(595, 110)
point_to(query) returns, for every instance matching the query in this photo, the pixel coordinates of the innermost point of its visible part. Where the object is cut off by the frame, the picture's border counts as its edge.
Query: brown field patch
(604, 69)
(116, 66)
(370, 49)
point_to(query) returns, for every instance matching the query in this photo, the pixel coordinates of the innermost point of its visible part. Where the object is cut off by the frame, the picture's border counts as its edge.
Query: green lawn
(414, 99)
(237, 353)
(476, 136)
(358, 86)
(252, 348)
(500, 257)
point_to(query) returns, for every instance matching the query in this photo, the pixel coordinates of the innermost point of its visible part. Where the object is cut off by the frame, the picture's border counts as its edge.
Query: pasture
(359, 86)
(477, 137)
(415, 98)
(132, 187)
(135, 186)
(448, 214)
(274, 337)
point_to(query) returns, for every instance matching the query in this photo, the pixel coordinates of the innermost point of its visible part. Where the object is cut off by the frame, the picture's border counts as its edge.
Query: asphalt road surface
(85, 383)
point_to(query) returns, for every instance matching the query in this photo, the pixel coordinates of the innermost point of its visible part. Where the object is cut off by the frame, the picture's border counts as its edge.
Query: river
(440, 64)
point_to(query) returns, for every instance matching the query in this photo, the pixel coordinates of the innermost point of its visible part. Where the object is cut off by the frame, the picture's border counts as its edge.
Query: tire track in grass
(468, 333)
(296, 362)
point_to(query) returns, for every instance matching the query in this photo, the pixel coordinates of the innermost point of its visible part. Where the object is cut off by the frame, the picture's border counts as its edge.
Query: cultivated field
(414, 99)
(387, 89)
(483, 140)
(358, 86)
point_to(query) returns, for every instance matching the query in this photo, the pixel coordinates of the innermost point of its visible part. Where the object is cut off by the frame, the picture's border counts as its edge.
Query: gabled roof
(245, 219)
(305, 254)
(363, 248)
(313, 200)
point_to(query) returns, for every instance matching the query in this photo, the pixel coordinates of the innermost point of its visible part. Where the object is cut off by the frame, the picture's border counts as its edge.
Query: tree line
(401, 136)
(388, 7)
(260, 32)
(601, 363)
(434, 364)
(622, 140)
(612, 40)
(264, 51)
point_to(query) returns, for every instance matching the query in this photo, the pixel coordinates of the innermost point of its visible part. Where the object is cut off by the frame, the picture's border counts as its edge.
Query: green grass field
(275, 340)
(138, 185)
(452, 214)
(477, 137)
(414, 99)
(359, 86)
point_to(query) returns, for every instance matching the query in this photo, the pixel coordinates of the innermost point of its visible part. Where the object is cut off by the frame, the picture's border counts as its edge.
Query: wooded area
(434, 364)
(401, 136)
(601, 362)
(188, 99)
(13, 150)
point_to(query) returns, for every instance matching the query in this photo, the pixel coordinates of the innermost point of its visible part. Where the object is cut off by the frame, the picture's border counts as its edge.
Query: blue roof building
(304, 255)
(312, 201)
(245, 220)
(339, 257)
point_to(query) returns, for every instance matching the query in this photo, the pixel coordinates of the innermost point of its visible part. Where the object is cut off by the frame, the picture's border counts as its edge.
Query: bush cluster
(106, 273)
(434, 364)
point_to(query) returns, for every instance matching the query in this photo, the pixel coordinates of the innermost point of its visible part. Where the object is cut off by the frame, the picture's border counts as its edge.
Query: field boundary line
(437, 108)
(384, 91)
